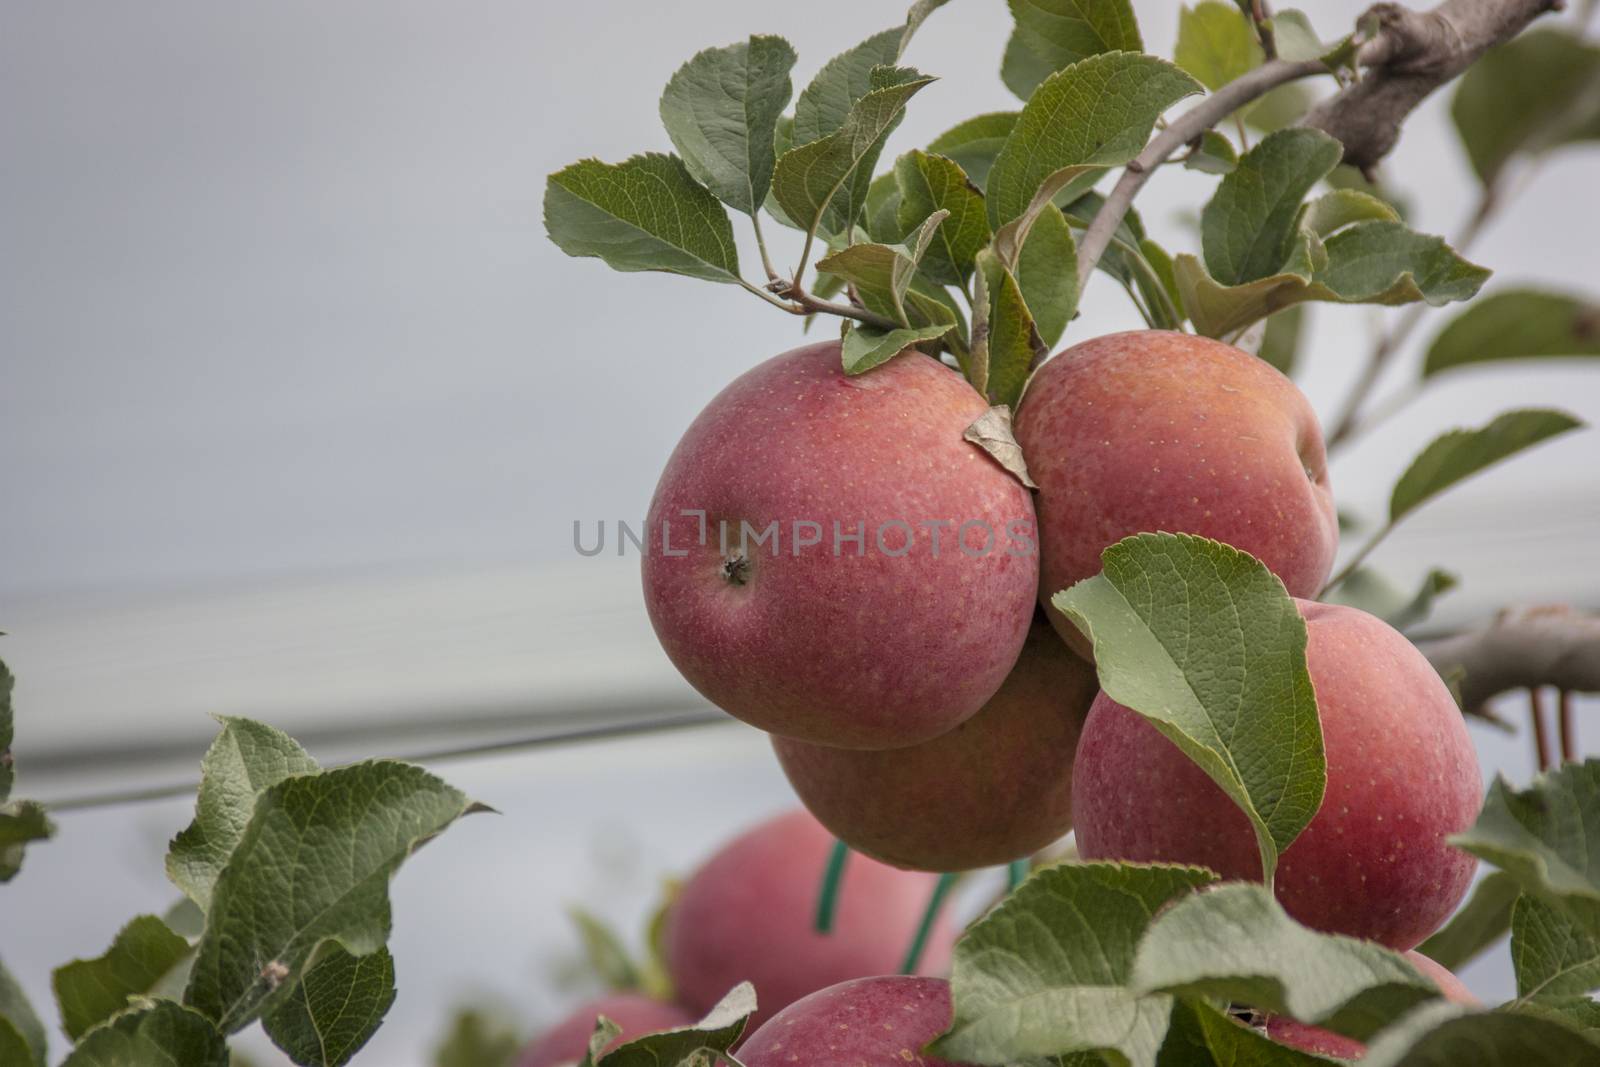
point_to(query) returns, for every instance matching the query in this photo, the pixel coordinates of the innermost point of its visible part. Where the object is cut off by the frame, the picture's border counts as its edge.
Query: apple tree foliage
(283, 919)
(967, 249)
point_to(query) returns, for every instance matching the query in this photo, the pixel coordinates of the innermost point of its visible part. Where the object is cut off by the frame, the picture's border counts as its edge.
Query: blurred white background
(299, 407)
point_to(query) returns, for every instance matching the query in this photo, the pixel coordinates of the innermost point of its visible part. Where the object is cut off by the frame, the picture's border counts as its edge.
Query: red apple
(878, 642)
(1155, 431)
(568, 1040)
(1308, 1038)
(1401, 776)
(995, 789)
(747, 915)
(870, 1022)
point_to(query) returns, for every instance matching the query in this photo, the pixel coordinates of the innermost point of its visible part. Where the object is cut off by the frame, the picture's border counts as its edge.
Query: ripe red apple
(1308, 1038)
(870, 1022)
(995, 789)
(568, 1040)
(1401, 776)
(1155, 431)
(747, 915)
(881, 641)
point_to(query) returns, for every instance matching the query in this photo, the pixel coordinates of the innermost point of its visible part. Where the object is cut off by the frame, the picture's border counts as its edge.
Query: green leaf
(607, 957)
(1333, 211)
(808, 177)
(887, 269)
(477, 1040)
(1479, 924)
(19, 1026)
(1383, 262)
(162, 1034)
(1553, 956)
(883, 211)
(1281, 107)
(1581, 1014)
(1021, 68)
(721, 110)
(1203, 640)
(1298, 42)
(7, 772)
(718, 1032)
(1137, 263)
(1047, 274)
(14, 1047)
(1517, 324)
(1367, 263)
(1547, 837)
(1200, 1035)
(974, 144)
(1215, 43)
(245, 760)
(647, 213)
(1459, 454)
(866, 347)
(1158, 282)
(1095, 114)
(88, 992)
(21, 822)
(1062, 32)
(1236, 943)
(916, 16)
(1374, 594)
(1249, 227)
(1280, 345)
(1452, 1035)
(1435, 584)
(1046, 971)
(929, 183)
(825, 108)
(1214, 155)
(312, 866)
(825, 104)
(335, 1009)
(1535, 93)
(1011, 340)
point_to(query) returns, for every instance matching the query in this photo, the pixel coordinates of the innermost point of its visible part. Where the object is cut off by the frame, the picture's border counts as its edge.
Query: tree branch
(790, 297)
(1412, 54)
(1191, 124)
(1523, 648)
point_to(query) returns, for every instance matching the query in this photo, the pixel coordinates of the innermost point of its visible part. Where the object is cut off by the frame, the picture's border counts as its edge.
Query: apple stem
(1541, 735)
(941, 889)
(1016, 873)
(828, 896)
(1569, 726)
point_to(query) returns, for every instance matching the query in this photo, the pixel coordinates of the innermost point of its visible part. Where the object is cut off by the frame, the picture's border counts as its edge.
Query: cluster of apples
(833, 562)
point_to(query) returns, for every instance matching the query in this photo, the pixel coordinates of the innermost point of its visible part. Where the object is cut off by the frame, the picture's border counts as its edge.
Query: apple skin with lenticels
(1308, 1038)
(1402, 776)
(997, 788)
(879, 643)
(748, 915)
(869, 1022)
(1154, 431)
